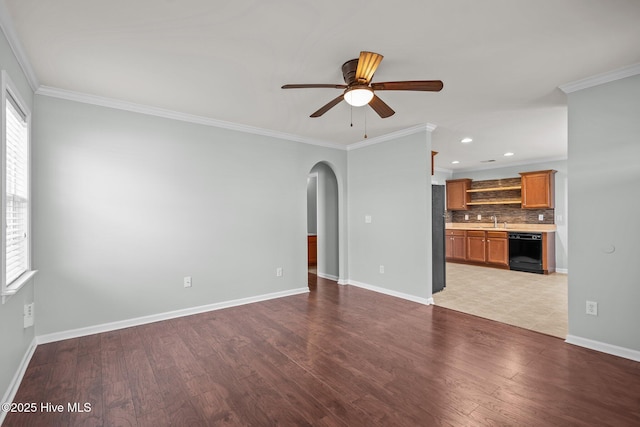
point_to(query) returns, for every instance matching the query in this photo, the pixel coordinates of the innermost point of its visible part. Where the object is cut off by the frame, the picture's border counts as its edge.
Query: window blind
(17, 193)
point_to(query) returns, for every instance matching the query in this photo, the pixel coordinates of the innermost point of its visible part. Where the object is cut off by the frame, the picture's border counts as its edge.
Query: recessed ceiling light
(508, 154)
(455, 162)
(466, 140)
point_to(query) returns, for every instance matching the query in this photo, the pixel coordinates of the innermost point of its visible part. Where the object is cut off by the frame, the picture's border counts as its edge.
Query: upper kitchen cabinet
(538, 189)
(457, 195)
(433, 168)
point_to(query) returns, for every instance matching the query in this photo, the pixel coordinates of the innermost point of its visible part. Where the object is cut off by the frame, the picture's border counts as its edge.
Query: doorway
(322, 224)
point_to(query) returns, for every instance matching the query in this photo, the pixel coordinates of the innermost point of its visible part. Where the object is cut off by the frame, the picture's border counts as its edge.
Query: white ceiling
(501, 62)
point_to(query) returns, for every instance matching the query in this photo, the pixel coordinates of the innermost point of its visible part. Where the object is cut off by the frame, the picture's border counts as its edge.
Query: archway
(323, 223)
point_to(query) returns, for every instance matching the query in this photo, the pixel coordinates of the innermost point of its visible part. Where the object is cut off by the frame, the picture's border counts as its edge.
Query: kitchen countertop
(529, 228)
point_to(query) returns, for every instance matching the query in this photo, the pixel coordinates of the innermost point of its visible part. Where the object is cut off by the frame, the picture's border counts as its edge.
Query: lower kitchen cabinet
(488, 247)
(548, 253)
(491, 248)
(497, 249)
(455, 248)
(478, 247)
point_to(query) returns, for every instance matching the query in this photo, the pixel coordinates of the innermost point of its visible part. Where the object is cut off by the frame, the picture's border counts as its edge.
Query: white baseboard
(615, 350)
(328, 276)
(562, 270)
(121, 324)
(17, 378)
(425, 301)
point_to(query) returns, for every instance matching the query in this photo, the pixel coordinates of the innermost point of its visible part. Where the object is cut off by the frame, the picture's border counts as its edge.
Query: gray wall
(561, 217)
(327, 221)
(128, 204)
(604, 148)
(15, 339)
(390, 182)
(440, 176)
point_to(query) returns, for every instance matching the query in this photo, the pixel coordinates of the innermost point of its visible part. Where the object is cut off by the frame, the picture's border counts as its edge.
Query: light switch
(367, 219)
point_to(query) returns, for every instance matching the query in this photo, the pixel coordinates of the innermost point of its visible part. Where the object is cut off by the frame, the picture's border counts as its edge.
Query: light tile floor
(532, 301)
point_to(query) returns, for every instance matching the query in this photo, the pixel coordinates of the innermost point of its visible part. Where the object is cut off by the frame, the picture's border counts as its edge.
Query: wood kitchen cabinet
(312, 250)
(497, 249)
(538, 189)
(476, 246)
(433, 169)
(488, 247)
(455, 248)
(457, 195)
(548, 253)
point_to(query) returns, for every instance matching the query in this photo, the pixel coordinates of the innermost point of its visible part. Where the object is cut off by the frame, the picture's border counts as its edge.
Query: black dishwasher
(525, 252)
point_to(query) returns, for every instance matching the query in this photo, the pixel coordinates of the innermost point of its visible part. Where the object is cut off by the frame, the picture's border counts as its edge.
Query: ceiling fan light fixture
(358, 96)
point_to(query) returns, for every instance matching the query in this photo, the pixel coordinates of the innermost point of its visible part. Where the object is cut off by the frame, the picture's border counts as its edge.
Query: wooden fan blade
(367, 65)
(306, 86)
(424, 85)
(328, 106)
(381, 107)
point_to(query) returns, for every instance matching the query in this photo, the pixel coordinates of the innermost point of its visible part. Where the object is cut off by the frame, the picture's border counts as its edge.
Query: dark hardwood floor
(339, 356)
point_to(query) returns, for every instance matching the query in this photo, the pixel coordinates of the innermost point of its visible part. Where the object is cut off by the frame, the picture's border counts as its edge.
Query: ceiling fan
(359, 90)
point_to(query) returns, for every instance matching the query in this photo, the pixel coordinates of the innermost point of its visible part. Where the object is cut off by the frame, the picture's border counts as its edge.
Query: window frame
(10, 90)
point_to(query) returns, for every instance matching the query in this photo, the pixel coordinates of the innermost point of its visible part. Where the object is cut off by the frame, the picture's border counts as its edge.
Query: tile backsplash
(511, 213)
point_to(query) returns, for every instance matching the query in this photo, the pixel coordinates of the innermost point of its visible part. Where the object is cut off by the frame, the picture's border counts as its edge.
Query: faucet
(495, 221)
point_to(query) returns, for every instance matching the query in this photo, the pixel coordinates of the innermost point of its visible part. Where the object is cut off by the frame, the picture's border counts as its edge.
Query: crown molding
(6, 24)
(176, 115)
(599, 79)
(393, 135)
(206, 121)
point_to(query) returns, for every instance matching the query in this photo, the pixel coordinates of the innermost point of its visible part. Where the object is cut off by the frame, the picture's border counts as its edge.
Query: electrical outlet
(592, 308)
(28, 315)
(466, 217)
(279, 272)
(367, 219)
(479, 217)
(187, 282)
(541, 217)
(382, 269)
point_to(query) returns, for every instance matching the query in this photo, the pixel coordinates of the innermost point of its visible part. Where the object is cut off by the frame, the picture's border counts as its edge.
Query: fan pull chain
(351, 115)
(365, 124)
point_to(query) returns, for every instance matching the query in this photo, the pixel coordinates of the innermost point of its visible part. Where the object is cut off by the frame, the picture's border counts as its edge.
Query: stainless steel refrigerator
(437, 227)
